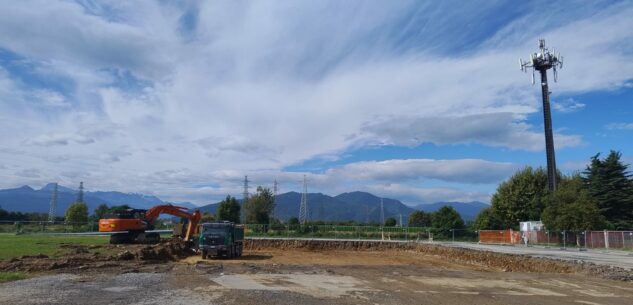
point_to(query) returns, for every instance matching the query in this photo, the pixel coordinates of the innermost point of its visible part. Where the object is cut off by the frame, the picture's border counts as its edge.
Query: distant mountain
(358, 206)
(468, 210)
(27, 199)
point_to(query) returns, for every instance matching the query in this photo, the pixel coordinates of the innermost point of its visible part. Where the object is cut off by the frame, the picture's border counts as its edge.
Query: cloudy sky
(417, 101)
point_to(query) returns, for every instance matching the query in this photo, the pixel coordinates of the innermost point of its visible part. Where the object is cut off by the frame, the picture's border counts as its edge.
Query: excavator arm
(152, 215)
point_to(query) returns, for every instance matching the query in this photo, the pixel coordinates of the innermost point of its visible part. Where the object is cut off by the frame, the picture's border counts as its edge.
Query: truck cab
(221, 239)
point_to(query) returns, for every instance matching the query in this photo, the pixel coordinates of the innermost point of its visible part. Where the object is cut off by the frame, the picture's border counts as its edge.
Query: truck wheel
(204, 254)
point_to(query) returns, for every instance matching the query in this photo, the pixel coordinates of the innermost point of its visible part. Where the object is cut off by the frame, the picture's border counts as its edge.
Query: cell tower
(543, 61)
(382, 212)
(53, 206)
(303, 209)
(80, 195)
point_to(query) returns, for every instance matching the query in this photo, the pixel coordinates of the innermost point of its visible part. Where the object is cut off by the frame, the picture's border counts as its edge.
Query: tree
(206, 217)
(293, 221)
(446, 219)
(259, 206)
(101, 211)
(118, 208)
(608, 183)
(571, 208)
(522, 197)
(390, 222)
(77, 213)
(420, 219)
(229, 209)
(487, 219)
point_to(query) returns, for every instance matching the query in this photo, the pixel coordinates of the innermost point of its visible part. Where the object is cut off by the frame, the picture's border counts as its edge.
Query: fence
(563, 239)
(274, 230)
(358, 232)
(25, 227)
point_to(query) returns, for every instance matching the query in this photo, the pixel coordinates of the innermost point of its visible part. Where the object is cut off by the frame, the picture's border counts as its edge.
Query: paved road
(618, 258)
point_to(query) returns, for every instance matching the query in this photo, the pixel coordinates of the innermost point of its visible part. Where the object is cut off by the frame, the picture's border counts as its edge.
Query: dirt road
(295, 276)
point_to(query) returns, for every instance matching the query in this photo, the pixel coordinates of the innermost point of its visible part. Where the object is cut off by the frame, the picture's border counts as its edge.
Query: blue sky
(421, 101)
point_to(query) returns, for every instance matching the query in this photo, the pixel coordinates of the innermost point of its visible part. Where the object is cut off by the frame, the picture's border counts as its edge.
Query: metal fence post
(453, 230)
(564, 240)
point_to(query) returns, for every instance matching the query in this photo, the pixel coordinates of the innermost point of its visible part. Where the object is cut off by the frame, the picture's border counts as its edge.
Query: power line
(275, 190)
(53, 205)
(303, 208)
(244, 199)
(382, 212)
(80, 194)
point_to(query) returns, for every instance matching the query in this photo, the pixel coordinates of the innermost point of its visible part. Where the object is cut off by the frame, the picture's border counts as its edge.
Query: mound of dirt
(169, 250)
(81, 257)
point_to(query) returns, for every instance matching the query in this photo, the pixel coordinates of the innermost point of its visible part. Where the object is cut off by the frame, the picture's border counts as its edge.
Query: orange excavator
(130, 226)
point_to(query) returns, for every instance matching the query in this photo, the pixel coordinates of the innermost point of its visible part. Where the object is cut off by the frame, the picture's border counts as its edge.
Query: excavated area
(136, 258)
(465, 257)
(310, 272)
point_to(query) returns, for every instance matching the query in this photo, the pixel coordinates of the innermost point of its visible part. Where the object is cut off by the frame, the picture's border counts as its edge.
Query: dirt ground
(304, 274)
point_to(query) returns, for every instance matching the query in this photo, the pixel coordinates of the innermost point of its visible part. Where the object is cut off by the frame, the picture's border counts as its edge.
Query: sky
(421, 101)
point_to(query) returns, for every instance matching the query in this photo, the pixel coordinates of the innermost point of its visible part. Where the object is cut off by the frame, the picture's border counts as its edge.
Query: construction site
(293, 271)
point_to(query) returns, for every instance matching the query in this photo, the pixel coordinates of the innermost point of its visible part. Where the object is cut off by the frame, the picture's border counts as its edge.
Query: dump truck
(221, 239)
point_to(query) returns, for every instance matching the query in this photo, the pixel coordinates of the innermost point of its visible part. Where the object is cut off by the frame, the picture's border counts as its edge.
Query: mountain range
(358, 206)
(28, 199)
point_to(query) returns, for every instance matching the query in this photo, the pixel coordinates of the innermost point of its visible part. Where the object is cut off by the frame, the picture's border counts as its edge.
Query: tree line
(601, 197)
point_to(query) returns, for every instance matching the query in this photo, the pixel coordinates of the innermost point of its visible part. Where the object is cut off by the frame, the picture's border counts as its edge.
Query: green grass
(17, 245)
(12, 276)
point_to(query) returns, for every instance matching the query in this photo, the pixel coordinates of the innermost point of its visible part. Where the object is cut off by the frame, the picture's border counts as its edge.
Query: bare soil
(304, 272)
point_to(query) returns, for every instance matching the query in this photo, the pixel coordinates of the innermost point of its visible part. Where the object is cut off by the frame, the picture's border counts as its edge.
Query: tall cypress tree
(608, 183)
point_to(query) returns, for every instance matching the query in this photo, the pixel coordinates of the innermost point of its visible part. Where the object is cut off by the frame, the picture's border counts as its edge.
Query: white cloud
(463, 170)
(620, 126)
(567, 106)
(502, 129)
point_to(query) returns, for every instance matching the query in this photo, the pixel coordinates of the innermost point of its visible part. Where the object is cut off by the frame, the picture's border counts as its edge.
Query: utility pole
(541, 62)
(303, 208)
(53, 205)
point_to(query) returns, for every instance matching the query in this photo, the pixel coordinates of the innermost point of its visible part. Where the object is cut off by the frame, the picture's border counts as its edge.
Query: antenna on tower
(303, 208)
(541, 62)
(53, 205)
(80, 195)
(382, 212)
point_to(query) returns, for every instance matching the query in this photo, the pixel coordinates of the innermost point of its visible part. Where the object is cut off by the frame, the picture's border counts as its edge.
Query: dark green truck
(221, 239)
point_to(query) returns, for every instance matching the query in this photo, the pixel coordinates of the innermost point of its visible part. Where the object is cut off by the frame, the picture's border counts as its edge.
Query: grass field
(17, 245)
(12, 276)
